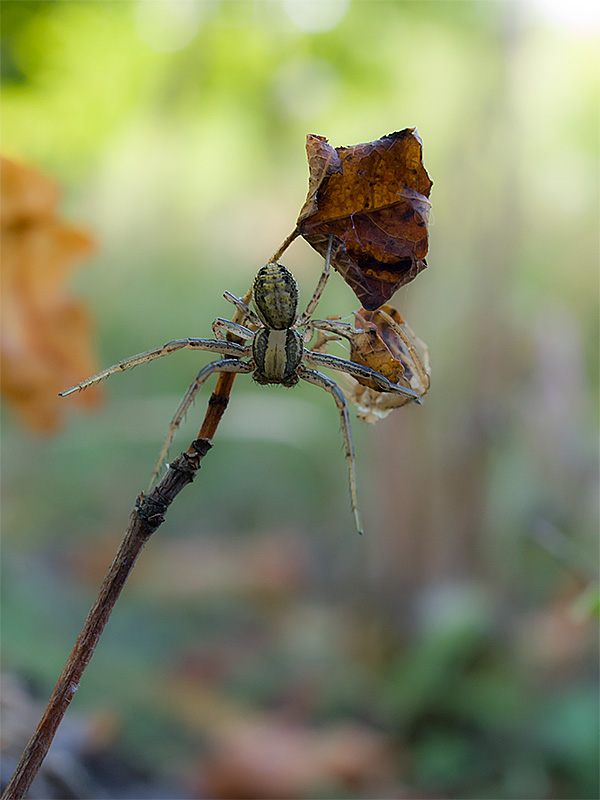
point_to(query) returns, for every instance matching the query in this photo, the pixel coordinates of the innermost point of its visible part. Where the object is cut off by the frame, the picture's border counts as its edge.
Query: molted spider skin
(275, 294)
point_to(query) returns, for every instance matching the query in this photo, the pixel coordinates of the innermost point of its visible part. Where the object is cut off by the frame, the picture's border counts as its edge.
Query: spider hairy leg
(318, 379)
(223, 326)
(246, 313)
(224, 365)
(344, 329)
(211, 345)
(342, 365)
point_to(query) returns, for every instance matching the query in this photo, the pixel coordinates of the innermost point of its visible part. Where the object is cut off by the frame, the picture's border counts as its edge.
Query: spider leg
(314, 300)
(215, 346)
(342, 365)
(224, 365)
(336, 326)
(222, 326)
(247, 313)
(318, 379)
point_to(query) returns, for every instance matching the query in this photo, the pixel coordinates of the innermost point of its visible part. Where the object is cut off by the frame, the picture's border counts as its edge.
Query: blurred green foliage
(456, 628)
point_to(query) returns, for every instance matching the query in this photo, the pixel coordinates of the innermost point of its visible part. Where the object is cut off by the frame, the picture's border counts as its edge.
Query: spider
(275, 353)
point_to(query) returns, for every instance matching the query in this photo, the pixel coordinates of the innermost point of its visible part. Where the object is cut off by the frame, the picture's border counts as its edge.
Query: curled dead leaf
(45, 333)
(373, 198)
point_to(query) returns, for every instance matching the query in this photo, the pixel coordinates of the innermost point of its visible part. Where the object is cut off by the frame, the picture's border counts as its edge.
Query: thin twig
(284, 245)
(147, 516)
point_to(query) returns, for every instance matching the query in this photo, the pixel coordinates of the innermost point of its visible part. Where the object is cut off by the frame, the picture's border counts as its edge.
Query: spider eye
(275, 295)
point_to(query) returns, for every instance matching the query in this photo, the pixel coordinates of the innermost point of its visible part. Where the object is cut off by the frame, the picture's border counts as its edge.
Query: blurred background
(262, 649)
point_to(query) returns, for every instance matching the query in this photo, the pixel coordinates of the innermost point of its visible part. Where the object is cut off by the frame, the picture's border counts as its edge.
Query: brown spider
(275, 353)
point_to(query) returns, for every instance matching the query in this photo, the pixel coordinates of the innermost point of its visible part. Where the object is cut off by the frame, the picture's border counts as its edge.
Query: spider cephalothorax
(275, 354)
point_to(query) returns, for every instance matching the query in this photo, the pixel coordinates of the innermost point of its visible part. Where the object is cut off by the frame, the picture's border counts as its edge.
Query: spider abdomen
(275, 294)
(277, 355)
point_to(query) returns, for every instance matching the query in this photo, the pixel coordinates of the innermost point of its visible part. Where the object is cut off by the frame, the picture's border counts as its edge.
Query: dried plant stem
(145, 519)
(217, 406)
(284, 245)
(147, 516)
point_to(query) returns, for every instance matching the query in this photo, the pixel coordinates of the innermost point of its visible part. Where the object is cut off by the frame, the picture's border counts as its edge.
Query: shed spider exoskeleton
(383, 341)
(275, 353)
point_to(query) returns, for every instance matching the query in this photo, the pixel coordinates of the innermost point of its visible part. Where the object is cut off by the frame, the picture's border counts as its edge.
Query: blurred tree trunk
(433, 483)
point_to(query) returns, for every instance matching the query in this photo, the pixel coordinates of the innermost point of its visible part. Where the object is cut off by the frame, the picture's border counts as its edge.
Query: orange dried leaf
(369, 349)
(45, 334)
(373, 198)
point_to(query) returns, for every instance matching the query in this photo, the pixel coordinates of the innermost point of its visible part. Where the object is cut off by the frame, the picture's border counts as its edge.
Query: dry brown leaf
(373, 198)
(45, 333)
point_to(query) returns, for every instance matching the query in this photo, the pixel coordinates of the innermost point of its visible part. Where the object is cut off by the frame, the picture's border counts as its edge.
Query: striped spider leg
(358, 371)
(219, 345)
(318, 379)
(214, 346)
